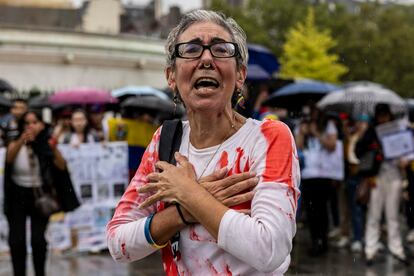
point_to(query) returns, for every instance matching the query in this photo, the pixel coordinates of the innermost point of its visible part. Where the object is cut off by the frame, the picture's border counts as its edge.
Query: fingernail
(252, 173)
(176, 154)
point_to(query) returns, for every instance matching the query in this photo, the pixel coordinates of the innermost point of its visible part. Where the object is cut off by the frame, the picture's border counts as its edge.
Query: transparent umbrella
(361, 97)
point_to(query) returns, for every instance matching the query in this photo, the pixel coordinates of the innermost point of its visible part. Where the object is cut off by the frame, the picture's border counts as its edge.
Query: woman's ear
(170, 76)
(241, 77)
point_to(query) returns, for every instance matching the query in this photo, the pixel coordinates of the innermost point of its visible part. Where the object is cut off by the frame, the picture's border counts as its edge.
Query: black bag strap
(170, 140)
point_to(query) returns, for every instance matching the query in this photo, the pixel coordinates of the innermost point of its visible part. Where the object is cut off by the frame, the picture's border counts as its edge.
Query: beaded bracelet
(177, 205)
(147, 233)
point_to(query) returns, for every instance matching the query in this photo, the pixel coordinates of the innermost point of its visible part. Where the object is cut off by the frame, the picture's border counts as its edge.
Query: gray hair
(228, 23)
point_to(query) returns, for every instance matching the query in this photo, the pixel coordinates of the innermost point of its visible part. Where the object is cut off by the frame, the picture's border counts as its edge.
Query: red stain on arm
(279, 155)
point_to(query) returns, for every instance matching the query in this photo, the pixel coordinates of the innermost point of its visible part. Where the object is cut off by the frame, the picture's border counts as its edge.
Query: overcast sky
(184, 4)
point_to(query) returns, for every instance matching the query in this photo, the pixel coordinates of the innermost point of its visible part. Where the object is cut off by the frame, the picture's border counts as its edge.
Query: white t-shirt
(259, 244)
(22, 174)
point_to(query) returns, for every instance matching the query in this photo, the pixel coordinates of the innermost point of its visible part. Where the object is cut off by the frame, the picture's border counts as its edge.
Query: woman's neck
(210, 130)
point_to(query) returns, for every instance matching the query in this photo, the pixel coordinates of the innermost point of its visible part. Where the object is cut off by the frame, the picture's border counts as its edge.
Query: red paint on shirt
(228, 271)
(123, 250)
(279, 153)
(193, 235)
(236, 169)
(213, 270)
(170, 266)
(224, 159)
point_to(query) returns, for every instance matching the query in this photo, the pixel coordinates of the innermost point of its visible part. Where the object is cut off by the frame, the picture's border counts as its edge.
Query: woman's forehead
(31, 117)
(205, 32)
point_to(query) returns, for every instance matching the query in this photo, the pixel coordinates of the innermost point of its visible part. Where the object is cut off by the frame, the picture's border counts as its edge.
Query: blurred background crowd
(338, 73)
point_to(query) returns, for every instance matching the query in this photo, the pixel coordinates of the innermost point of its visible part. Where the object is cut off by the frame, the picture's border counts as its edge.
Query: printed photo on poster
(119, 189)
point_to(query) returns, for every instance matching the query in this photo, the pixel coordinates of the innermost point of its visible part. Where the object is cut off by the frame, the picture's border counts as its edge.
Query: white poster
(320, 163)
(58, 235)
(397, 144)
(99, 171)
(391, 127)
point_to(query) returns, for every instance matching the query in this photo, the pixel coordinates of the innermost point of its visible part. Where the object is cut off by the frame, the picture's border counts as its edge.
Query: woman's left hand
(171, 183)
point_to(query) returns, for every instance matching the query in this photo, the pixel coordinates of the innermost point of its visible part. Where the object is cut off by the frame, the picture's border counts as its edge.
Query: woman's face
(32, 124)
(79, 121)
(383, 118)
(223, 72)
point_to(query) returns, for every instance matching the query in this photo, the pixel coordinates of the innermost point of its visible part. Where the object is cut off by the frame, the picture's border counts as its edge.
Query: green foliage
(265, 22)
(306, 53)
(374, 41)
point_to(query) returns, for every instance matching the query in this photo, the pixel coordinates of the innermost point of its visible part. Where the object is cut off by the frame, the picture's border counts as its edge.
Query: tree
(374, 41)
(306, 53)
(265, 22)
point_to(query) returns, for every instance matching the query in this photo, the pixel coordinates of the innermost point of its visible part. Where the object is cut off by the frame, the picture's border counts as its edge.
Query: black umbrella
(299, 93)
(42, 101)
(5, 102)
(39, 101)
(152, 103)
(5, 86)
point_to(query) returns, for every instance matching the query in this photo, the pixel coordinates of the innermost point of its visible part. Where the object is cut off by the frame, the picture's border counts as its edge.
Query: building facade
(51, 60)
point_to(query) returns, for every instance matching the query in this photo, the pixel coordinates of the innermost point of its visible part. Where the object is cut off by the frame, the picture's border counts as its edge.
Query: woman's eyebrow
(200, 41)
(217, 39)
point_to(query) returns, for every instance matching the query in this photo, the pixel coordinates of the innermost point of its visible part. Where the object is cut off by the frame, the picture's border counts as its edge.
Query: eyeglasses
(196, 50)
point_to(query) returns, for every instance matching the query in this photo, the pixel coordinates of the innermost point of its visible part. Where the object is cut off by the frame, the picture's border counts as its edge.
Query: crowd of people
(372, 186)
(35, 167)
(363, 209)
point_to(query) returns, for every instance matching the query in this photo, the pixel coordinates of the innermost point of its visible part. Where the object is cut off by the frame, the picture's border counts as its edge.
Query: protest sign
(320, 163)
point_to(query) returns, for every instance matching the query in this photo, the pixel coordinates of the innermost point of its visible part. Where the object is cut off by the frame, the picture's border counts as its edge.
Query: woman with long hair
(28, 160)
(80, 131)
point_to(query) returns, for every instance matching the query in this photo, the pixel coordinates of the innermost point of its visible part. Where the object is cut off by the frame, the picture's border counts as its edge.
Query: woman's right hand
(27, 136)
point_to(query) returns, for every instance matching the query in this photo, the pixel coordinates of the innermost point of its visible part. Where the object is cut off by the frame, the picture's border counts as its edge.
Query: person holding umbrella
(226, 164)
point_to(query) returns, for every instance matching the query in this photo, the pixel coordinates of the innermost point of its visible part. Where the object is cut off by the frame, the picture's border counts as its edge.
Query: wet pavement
(336, 262)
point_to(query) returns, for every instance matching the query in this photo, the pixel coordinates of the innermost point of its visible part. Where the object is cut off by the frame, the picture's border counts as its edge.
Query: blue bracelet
(147, 229)
(147, 233)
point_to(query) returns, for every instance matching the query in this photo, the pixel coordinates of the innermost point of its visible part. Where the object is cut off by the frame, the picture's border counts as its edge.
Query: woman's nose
(206, 59)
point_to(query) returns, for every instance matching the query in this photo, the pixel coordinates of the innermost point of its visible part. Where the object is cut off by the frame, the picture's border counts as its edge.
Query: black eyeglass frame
(177, 53)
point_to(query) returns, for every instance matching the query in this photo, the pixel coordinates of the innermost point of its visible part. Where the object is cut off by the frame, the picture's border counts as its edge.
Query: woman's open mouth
(206, 83)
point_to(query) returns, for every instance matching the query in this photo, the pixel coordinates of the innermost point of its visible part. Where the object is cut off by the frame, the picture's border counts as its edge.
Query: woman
(80, 131)
(207, 59)
(28, 159)
(62, 126)
(354, 208)
(315, 137)
(385, 193)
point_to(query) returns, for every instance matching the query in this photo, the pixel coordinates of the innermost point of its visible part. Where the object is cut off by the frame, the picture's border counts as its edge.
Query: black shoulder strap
(170, 140)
